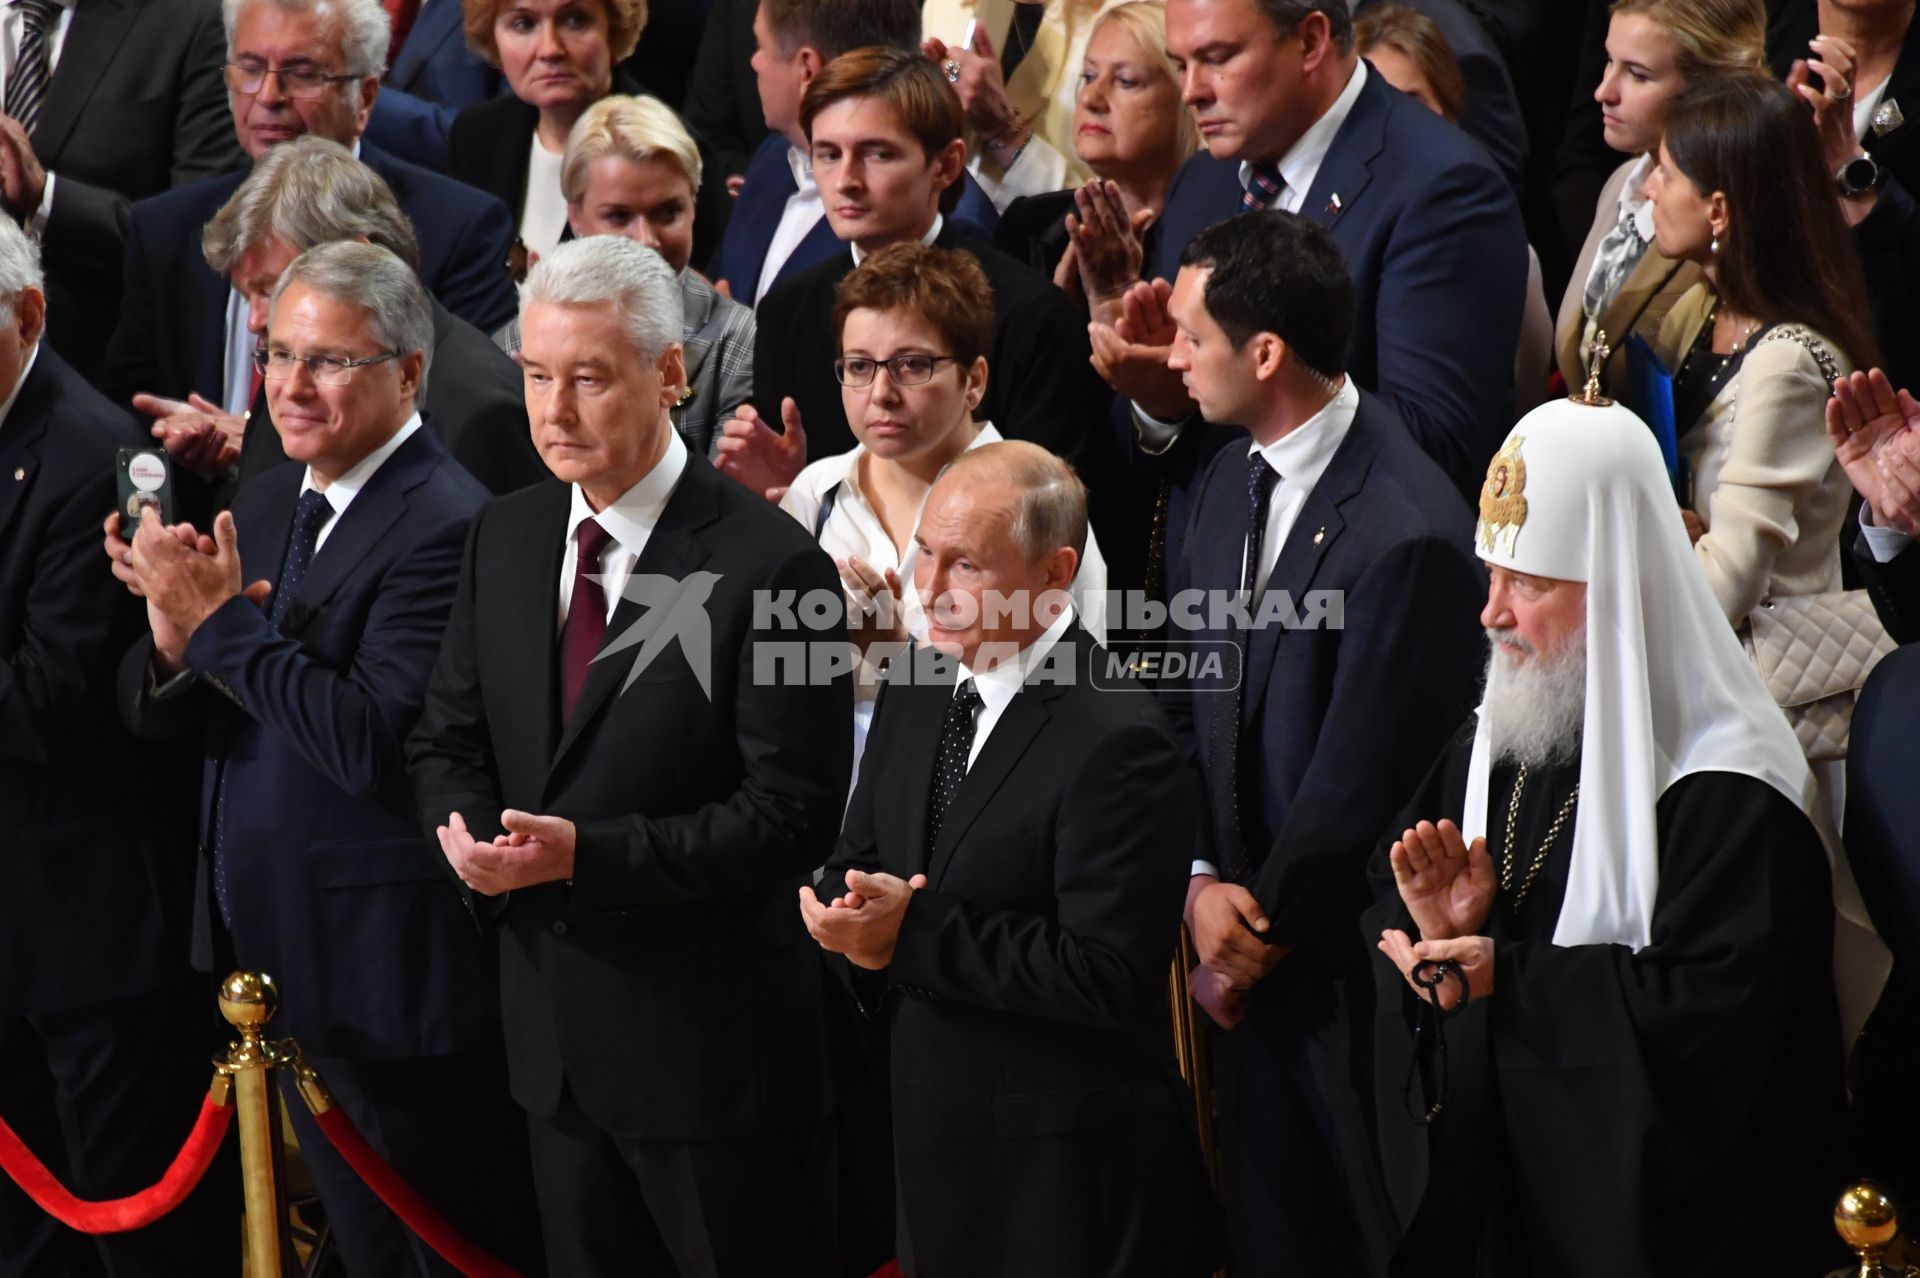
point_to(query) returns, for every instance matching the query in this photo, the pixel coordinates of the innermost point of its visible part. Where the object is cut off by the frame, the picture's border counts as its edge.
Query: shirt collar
(999, 685)
(933, 233)
(1302, 455)
(802, 165)
(631, 517)
(1301, 164)
(343, 490)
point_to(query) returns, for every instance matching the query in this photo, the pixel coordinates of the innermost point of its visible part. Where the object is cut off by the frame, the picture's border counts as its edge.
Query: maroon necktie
(586, 616)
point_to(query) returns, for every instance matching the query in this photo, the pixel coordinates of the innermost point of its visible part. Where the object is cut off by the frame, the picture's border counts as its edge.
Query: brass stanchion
(248, 1000)
(1866, 1221)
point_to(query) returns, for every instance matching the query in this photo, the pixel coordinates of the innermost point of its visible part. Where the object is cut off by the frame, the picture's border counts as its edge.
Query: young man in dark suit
(297, 644)
(1006, 889)
(618, 769)
(131, 104)
(1293, 119)
(293, 70)
(886, 133)
(1352, 553)
(777, 226)
(104, 1028)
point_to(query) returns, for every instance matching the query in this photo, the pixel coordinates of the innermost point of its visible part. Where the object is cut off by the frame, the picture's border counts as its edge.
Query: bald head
(1049, 501)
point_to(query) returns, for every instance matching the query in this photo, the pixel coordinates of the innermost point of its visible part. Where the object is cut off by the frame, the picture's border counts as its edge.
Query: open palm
(1864, 416)
(1447, 886)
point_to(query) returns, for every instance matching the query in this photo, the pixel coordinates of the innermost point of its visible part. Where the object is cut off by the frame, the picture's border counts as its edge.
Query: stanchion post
(248, 1000)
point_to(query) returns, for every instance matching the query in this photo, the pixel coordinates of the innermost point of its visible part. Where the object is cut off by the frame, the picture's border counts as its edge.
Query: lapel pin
(19, 473)
(1333, 203)
(1887, 118)
(1320, 536)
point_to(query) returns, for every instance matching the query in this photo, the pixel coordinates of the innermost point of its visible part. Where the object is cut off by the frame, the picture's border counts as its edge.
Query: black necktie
(309, 517)
(950, 765)
(27, 81)
(1223, 745)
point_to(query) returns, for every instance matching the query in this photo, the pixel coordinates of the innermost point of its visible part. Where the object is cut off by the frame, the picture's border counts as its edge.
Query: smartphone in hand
(146, 480)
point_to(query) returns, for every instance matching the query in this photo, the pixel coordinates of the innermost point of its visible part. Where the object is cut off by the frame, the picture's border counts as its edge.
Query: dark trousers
(104, 1096)
(613, 1207)
(447, 1125)
(1287, 1210)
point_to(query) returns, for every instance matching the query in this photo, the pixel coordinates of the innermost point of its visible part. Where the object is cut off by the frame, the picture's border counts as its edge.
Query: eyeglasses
(327, 370)
(249, 76)
(904, 370)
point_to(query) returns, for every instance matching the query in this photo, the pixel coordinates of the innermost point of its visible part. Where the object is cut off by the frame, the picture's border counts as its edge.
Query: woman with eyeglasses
(914, 324)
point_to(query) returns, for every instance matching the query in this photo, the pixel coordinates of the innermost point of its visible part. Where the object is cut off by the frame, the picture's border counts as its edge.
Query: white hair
(19, 263)
(371, 277)
(611, 269)
(1536, 709)
(367, 31)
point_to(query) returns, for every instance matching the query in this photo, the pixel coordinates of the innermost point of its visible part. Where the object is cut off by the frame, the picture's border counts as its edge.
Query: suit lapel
(1018, 725)
(436, 25)
(672, 550)
(820, 243)
(21, 440)
(533, 657)
(263, 537)
(93, 37)
(1314, 532)
(375, 509)
(1344, 173)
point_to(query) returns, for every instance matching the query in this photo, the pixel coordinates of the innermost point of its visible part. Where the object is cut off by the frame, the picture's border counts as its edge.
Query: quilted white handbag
(1814, 652)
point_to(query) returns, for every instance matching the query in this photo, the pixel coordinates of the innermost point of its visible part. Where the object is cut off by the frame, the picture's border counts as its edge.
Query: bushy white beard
(1536, 708)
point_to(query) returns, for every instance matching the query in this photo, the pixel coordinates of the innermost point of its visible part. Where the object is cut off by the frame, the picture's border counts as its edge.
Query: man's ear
(672, 367)
(811, 64)
(949, 164)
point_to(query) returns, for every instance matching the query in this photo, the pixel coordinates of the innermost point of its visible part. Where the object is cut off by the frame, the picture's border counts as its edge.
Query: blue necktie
(1264, 185)
(309, 517)
(1223, 745)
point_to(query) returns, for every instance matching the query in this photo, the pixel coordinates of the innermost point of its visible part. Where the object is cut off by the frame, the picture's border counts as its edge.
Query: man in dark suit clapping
(1007, 889)
(297, 644)
(630, 787)
(1352, 554)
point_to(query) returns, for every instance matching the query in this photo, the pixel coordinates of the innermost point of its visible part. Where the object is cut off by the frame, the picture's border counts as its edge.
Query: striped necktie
(1264, 187)
(32, 69)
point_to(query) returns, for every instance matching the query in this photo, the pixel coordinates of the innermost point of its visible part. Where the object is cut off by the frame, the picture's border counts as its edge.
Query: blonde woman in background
(1621, 283)
(632, 169)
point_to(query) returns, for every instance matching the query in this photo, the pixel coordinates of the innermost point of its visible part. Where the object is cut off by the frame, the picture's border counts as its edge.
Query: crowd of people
(1129, 638)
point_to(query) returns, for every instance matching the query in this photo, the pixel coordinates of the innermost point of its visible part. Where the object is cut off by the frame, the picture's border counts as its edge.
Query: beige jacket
(1765, 480)
(1642, 303)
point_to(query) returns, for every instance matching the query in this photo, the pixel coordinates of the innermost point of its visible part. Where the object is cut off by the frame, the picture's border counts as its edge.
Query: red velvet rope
(400, 1198)
(117, 1215)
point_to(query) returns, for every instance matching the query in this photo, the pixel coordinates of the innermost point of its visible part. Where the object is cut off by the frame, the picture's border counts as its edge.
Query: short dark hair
(945, 287)
(1288, 14)
(1275, 272)
(833, 27)
(909, 82)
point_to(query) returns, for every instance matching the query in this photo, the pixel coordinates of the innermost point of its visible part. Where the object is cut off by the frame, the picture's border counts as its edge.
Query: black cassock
(1607, 1114)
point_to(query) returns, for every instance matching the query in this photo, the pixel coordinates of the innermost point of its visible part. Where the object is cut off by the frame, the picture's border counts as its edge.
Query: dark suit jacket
(1491, 113)
(723, 107)
(171, 336)
(94, 906)
(756, 215)
(1039, 1126)
(1040, 386)
(303, 727)
(474, 403)
(698, 817)
(1338, 722)
(1433, 239)
(433, 77)
(136, 105)
(1894, 585)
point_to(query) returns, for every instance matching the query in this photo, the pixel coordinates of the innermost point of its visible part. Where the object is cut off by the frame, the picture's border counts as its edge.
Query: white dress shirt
(933, 233)
(1301, 457)
(629, 520)
(804, 208)
(12, 26)
(341, 492)
(999, 685)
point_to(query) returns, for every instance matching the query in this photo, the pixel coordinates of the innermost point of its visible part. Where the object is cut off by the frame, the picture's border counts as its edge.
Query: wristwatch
(1860, 176)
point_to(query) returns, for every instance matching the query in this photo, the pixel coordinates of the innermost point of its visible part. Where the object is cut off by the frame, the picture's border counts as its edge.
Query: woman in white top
(914, 324)
(1620, 282)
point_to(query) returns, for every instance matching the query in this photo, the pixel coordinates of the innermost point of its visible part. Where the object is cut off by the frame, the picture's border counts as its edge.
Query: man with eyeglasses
(294, 67)
(296, 642)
